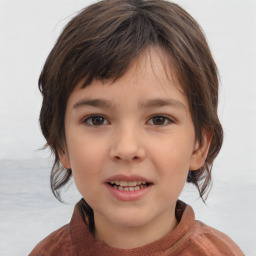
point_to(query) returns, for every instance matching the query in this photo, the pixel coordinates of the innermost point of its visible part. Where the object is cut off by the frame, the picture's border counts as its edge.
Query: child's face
(136, 129)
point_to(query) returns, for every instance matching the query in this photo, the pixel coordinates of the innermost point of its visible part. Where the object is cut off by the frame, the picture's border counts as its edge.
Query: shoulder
(208, 239)
(57, 243)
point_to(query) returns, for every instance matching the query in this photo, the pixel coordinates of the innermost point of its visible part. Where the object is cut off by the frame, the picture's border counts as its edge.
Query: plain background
(28, 211)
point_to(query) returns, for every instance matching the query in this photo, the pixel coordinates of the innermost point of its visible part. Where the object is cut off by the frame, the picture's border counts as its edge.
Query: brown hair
(102, 41)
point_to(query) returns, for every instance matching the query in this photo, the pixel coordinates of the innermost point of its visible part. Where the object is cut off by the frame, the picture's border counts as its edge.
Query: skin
(132, 135)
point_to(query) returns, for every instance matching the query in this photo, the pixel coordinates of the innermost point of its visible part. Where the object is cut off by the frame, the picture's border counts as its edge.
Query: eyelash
(167, 120)
(86, 120)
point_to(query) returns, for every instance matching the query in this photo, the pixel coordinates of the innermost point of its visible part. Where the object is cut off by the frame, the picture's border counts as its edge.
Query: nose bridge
(127, 143)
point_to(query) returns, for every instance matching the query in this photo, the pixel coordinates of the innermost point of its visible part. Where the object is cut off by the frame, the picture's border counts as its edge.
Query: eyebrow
(149, 103)
(93, 103)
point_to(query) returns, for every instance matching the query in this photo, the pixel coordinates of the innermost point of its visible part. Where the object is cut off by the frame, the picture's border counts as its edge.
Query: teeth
(129, 188)
(128, 183)
(134, 188)
(132, 183)
(123, 183)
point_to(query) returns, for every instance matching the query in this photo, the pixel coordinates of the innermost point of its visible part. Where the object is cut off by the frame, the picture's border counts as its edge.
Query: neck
(132, 237)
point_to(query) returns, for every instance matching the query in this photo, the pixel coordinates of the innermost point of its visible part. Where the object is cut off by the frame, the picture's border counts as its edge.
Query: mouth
(123, 185)
(128, 188)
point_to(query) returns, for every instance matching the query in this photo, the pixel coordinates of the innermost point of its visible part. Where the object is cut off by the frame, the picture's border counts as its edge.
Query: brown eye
(95, 120)
(160, 120)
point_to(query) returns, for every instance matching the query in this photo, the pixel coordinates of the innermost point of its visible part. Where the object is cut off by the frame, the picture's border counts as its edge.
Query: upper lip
(124, 177)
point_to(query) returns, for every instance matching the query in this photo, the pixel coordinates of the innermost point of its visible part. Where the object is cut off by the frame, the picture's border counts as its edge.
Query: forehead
(153, 63)
(149, 81)
(156, 61)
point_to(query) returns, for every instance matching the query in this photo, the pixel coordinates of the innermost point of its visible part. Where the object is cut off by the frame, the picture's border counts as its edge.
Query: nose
(127, 145)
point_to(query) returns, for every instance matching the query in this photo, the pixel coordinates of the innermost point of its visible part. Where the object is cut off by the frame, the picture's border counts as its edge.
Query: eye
(160, 120)
(95, 120)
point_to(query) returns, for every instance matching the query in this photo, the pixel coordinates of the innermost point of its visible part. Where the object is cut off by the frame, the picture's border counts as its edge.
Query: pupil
(158, 120)
(97, 120)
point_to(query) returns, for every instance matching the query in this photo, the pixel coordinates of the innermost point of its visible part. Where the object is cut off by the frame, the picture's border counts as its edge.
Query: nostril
(127, 153)
(133, 158)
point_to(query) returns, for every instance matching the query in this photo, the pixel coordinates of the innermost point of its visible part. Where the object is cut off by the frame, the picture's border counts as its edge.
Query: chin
(131, 220)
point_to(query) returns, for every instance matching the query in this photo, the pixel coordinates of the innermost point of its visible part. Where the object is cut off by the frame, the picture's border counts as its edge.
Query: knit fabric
(189, 238)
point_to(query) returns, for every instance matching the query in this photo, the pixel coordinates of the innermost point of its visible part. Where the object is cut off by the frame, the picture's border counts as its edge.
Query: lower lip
(128, 195)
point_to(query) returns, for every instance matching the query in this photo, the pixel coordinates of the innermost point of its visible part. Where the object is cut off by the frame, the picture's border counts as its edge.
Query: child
(130, 93)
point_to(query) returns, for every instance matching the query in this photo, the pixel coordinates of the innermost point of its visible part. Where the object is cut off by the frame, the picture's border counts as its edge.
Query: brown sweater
(189, 238)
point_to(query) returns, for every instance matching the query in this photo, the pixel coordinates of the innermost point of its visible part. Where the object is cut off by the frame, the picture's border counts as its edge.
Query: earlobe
(201, 151)
(64, 159)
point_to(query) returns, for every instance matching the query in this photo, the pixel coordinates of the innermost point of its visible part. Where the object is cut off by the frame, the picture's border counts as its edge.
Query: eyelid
(168, 118)
(86, 118)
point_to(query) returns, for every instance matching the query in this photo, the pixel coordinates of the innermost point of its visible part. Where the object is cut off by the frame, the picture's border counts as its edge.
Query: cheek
(86, 159)
(171, 160)
(86, 170)
(173, 154)
(172, 174)
(85, 151)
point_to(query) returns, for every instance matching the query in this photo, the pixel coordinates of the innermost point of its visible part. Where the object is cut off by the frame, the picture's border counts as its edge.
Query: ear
(201, 150)
(64, 159)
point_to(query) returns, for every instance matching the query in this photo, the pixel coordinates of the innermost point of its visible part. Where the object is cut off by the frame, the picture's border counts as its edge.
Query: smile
(129, 185)
(128, 188)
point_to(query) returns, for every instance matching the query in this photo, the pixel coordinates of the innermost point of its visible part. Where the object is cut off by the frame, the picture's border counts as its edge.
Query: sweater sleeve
(209, 241)
(57, 243)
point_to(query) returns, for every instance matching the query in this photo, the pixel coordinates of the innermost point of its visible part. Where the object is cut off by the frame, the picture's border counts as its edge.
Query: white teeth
(130, 188)
(120, 188)
(132, 183)
(134, 188)
(128, 183)
(123, 183)
(141, 182)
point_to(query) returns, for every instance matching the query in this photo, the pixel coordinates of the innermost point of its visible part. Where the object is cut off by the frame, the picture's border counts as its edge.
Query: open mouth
(129, 185)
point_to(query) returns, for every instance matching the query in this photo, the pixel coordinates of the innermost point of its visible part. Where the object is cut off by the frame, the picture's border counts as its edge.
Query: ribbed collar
(84, 243)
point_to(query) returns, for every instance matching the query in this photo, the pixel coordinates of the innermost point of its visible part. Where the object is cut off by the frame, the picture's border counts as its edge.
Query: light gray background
(28, 211)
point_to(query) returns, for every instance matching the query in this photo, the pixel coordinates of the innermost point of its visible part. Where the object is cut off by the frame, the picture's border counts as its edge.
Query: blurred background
(28, 210)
